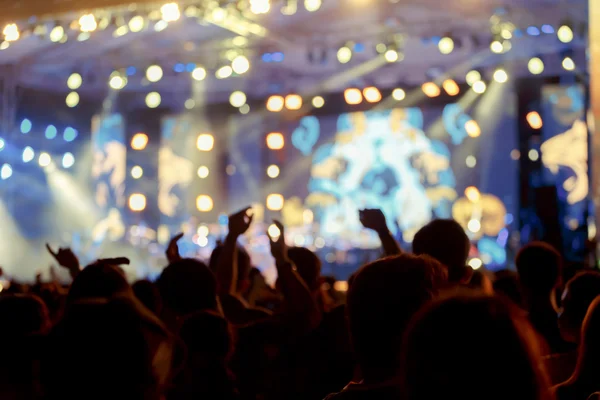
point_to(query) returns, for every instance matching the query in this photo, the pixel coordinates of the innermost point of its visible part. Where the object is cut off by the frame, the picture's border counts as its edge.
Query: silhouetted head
(244, 265)
(98, 281)
(207, 336)
(506, 283)
(482, 280)
(472, 347)
(579, 293)
(540, 268)
(588, 363)
(147, 293)
(384, 295)
(446, 241)
(308, 266)
(187, 286)
(23, 315)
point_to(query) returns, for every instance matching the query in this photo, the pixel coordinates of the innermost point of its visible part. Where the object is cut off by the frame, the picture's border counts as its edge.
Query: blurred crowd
(419, 325)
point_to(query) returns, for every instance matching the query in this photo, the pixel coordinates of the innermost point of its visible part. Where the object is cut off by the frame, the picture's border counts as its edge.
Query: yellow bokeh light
(353, 96)
(496, 47)
(87, 23)
(472, 193)
(72, 99)
(240, 65)
(534, 120)
(260, 6)
(137, 172)
(391, 56)
(154, 73)
(137, 202)
(475, 263)
(318, 102)
(11, 32)
(199, 73)
(224, 72)
(57, 33)
(398, 94)
(472, 77)
(273, 171)
(479, 87)
(293, 102)
(344, 54)
(44, 160)
(275, 202)
(203, 172)
(431, 89)
(116, 81)
(446, 45)
(451, 87)
(534, 155)
(136, 24)
(205, 142)
(312, 5)
(372, 94)
(275, 103)
(273, 231)
(139, 141)
(472, 128)
(535, 66)
(275, 141)
(204, 203)
(153, 99)
(568, 64)
(474, 225)
(74, 82)
(170, 12)
(237, 99)
(500, 76)
(565, 34)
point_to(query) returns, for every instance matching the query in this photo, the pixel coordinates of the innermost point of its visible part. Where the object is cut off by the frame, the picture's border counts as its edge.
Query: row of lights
(44, 160)
(137, 202)
(69, 133)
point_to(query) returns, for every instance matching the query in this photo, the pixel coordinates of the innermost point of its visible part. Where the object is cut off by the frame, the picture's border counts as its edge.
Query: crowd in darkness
(415, 326)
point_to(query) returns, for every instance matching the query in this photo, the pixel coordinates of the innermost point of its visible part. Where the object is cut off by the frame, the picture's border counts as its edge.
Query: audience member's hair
(244, 264)
(98, 281)
(308, 266)
(540, 267)
(579, 293)
(24, 315)
(471, 347)
(383, 297)
(446, 241)
(506, 283)
(481, 280)
(147, 293)
(187, 286)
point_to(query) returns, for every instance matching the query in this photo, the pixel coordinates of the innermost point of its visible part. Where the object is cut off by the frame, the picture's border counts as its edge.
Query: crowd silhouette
(416, 326)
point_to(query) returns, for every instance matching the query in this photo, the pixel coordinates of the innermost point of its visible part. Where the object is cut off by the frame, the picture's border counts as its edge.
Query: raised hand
(172, 252)
(240, 222)
(66, 259)
(373, 218)
(278, 246)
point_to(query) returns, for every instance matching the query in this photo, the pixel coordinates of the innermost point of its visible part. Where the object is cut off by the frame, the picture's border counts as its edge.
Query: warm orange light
(293, 102)
(204, 203)
(451, 87)
(472, 194)
(275, 103)
(353, 96)
(472, 128)
(275, 202)
(372, 94)
(535, 120)
(431, 89)
(139, 141)
(275, 141)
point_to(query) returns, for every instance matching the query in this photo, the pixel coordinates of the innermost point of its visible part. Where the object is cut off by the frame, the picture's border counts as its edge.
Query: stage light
(273, 231)
(44, 160)
(137, 172)
(451, 87)
(139, 141)
(203, 231)
(475, 263)
(506, 34)
(203, 172)
(471, 161)
(26, 126)
(515, 154)
(398, 94)
(479, 87)
(391, 56)
(273, 171)
(137, 202)
(293, 102)
(380, 48)
(11, 32)
(2, 144)
(136, 24)
(431, 89)
(472, 194)
(535, 66)
(353, 96)
(189, 104)
(4, 45)
(344, 55)
(28, 154)
(245, 109)
(275, 141)
(116, 81)
(123, 30)
(74, 82)
(496, 47)
(87, 23)
(534, 155)
(472, 128)
(500, 76)
(72, 99)
(57, 33)
(446, 45)
(474, 225)
(6, 171)
(318, 102)
(170, 12)
(312, 5)
(568, 64)
(534, 119)
(69, 134)
(199, 73)
(240, 65)
(153, 99)
(372, 94)
(275, 202)
(50, 132)
(154, 73)
(68, 160)
(237, 99)
(565, 34)
(472, 77)
(204, 203)
(275, 103)
(224, 72)
(205, 142)
(260, 6)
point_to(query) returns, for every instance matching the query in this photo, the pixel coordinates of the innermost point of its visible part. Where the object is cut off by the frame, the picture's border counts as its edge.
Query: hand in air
(373, 218)
(172, 252)
(240, 221)
(278, 246)
(65, 258)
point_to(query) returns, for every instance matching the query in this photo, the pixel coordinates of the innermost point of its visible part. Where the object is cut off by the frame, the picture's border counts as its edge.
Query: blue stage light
(179, 67)
(533, 31)
(26, 126)
(267, 57)
(51, 132)
(130, 71)
(6, 171)
(190, 67)
(359, 47)
(1, 144)
(69, 134)
(278, 57)
(549, 29)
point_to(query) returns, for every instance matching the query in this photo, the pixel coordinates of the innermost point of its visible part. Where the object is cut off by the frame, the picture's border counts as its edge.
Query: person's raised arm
(227, 268)
(375, 220)
(66, 259)
(172, 252)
